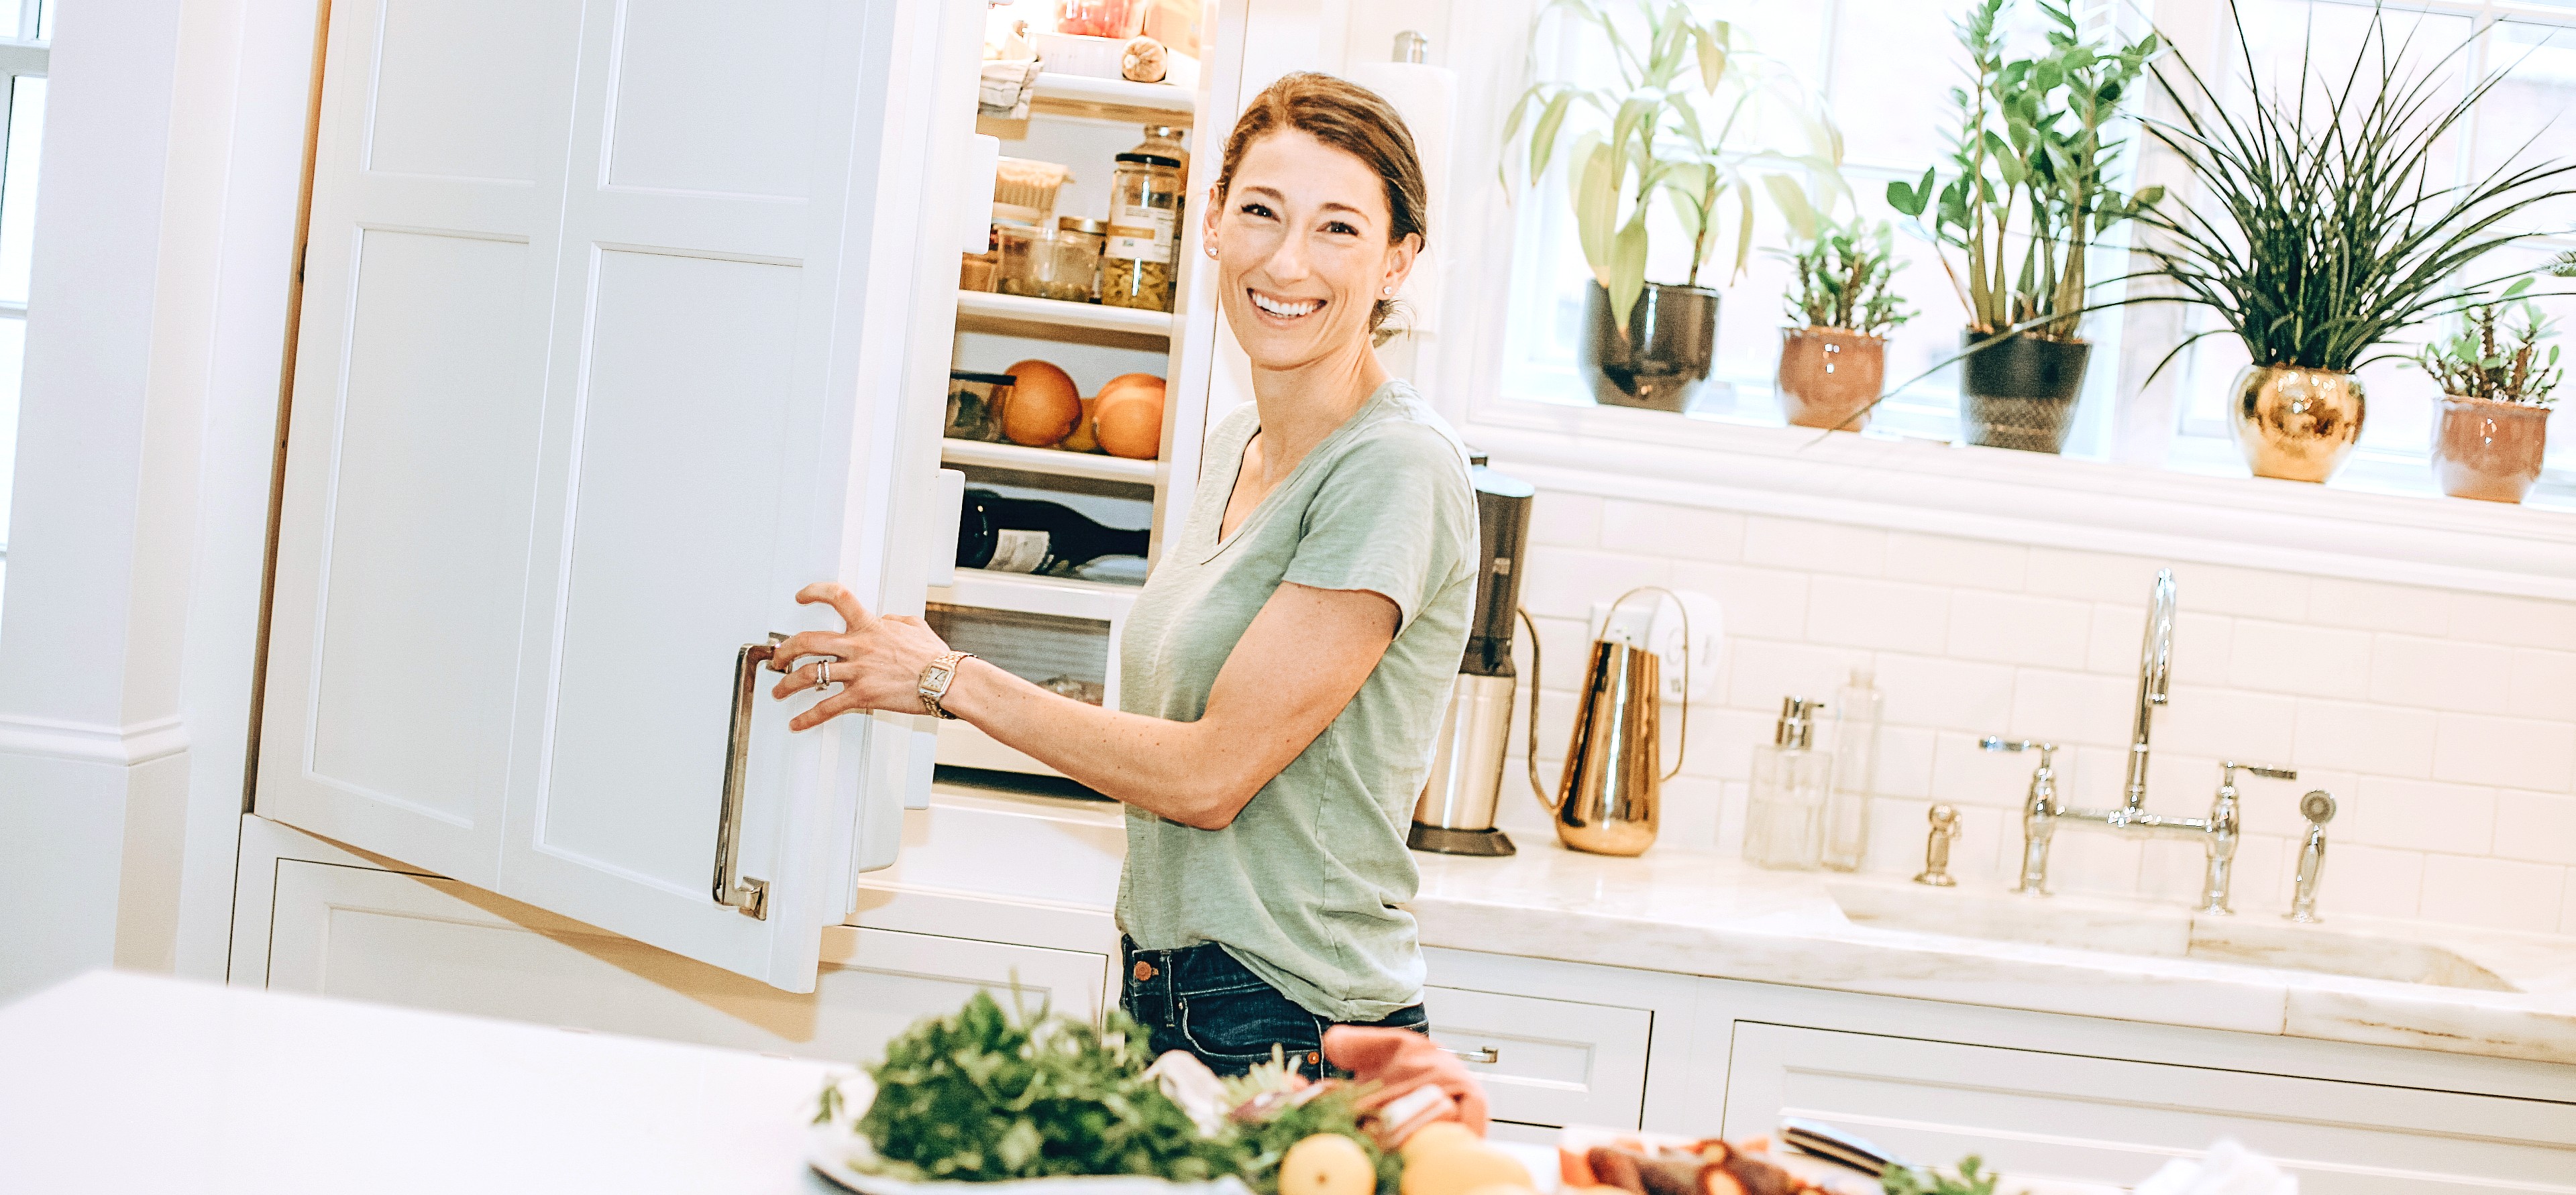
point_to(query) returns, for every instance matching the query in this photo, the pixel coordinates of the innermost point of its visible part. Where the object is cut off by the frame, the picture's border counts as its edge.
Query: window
(26, 29)
(1886, 67)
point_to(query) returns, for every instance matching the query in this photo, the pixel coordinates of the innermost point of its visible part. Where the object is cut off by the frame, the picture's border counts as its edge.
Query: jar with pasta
(1140, 262)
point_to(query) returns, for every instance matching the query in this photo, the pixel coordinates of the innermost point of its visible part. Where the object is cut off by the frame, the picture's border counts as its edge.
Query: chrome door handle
(1481, 1055)
(732, 888)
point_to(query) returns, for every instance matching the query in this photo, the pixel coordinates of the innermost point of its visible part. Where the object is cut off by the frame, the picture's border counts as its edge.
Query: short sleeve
(1395, 516)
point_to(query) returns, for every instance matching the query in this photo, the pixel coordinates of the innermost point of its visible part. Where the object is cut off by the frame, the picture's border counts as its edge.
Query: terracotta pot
(1664, 360)
(2296, 424)
(1829, 374)
(2487, 449)
(2021, 393)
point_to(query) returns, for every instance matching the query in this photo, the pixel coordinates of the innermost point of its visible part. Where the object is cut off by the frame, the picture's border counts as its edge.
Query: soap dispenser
(1784, 819)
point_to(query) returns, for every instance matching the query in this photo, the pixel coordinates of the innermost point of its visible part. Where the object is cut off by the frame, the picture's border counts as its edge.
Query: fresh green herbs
(983, 1095)
(2031, 165)
(1973, 1179)
(1843, 277)
(2325, 229)
(2497, 353)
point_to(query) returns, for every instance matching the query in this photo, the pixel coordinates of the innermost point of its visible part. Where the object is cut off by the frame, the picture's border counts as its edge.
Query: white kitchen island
(116, 1082)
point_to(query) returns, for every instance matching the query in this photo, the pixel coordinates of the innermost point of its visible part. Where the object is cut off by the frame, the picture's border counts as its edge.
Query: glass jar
(1014, 247)
(1070, 270)
(1140, 262)
(975, 405)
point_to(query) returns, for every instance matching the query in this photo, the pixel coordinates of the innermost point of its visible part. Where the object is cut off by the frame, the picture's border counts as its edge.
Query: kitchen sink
(2252, 940)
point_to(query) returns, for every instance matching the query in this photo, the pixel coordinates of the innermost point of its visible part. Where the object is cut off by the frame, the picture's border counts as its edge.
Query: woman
(1284, 670)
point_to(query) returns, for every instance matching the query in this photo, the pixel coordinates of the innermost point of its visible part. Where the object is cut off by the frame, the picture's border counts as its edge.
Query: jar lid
(988, 379)
(1151, 159)
(1098, 228)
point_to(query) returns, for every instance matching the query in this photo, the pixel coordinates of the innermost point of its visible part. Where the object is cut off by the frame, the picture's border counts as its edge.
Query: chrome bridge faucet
(2217, 833)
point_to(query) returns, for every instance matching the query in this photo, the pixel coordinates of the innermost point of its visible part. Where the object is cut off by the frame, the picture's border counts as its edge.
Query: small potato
(1462, 1170)
(1327, 1164)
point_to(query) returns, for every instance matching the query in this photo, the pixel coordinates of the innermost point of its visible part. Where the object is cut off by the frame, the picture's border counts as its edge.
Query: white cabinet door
(2039, 1114)
(1547, 1062)
(604, 351)
(363, 934)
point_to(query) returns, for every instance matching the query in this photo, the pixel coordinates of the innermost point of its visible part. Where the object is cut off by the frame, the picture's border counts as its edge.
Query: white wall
(2443, 721)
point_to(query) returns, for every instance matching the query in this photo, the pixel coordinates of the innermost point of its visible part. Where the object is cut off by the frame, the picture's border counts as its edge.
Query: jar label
(1140, 233)
(1016, 551)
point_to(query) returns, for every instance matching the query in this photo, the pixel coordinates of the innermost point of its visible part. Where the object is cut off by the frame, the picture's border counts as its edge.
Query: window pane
(1894, 63)
(13, 353)
(2521, 122)
(18, 184)
(45, 20)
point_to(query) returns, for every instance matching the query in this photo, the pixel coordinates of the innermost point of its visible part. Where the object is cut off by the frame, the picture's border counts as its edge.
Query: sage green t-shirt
(1305, 887)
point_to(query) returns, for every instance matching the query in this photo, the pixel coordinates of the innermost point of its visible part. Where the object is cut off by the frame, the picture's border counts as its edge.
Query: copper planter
(1829, 376)
(2295, 424)
(2487, 449)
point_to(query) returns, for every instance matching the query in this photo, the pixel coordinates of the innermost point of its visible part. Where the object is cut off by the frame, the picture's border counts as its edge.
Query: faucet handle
(2318, 807)
(2047, 751)
(2227, 770)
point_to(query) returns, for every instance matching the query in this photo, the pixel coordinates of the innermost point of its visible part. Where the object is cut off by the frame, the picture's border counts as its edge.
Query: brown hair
(1350, 118)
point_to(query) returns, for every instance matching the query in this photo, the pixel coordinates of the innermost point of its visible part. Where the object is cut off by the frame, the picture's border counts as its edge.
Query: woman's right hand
(876, 661)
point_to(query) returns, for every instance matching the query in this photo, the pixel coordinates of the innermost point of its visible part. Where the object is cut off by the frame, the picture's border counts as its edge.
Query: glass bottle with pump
(1784, 819)
(1855, 751)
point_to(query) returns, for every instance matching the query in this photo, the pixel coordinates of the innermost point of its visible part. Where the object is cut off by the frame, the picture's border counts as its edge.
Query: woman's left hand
(876, 661)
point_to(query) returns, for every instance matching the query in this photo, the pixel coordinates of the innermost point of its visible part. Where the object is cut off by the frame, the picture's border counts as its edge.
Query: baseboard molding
(92, 742)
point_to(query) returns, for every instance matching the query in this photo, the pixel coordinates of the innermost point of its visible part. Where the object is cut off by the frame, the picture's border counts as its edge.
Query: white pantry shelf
(1053, 461)
(983, 311)
(1064, 597)
(1113, 99)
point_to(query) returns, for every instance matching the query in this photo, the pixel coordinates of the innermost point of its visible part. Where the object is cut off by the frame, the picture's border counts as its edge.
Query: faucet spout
(2155, 676)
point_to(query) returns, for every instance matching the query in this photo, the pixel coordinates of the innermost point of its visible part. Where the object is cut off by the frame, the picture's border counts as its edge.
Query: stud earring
(1386, 290)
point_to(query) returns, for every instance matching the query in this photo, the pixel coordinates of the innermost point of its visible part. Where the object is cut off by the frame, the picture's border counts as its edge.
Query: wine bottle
(1022, 535)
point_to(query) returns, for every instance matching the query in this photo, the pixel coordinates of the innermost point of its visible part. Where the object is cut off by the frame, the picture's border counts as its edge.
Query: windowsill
(2031, 498)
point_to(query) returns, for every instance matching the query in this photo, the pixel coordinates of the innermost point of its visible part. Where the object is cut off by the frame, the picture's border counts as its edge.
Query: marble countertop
(2380, 982)
(2492, 993)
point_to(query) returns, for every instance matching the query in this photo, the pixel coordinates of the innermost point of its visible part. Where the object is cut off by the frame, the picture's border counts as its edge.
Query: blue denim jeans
(1200, 999)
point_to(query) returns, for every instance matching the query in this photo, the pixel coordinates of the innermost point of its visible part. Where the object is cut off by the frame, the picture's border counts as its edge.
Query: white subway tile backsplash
(1763, 603)
(1681, 532)
(2363, 738)
(2421, 815)
(1815, 547)
(2444, 674)
(2071, 707)
(2015, 629)
(2536, 827)
(1966, 563)
(1564, 582)
(1947, 694)
(2369, 881)
(2512, 752)
(2498, 893)
(1892, 615)
(2514, 621)
(2543, 684)
(2279, 657)
(2225, 723)
(1563, 647)
(1566, 520)
(2444, 722)
(2374, 606)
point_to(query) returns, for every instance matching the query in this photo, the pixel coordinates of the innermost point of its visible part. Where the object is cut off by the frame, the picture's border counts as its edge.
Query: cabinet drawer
(1552, 1062)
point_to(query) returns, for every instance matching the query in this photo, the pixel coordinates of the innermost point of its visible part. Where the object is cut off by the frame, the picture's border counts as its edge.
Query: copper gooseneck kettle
(1609, 798)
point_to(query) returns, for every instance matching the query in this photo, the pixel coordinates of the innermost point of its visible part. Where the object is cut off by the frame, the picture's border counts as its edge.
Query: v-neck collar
(1219, 540)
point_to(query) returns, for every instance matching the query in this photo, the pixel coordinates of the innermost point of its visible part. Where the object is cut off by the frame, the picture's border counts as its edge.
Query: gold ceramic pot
(2488, 449)
(1609, 799)
(1828, 375)
(2295, 424)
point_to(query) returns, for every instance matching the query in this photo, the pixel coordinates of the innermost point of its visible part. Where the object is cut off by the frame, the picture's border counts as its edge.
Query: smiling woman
(1285, 664)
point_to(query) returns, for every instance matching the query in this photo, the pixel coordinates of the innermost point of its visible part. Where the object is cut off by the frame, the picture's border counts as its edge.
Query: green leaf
(1543, 138)
(1627, 273)
(1712, 57)
(1596, 203)
(1792, 202)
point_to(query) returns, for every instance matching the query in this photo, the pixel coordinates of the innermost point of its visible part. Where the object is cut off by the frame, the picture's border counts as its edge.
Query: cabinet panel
(1554, 1062)
(433, 943)
(2041, 1114)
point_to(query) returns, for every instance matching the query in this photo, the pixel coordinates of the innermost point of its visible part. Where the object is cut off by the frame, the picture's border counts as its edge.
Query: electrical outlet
(1656, 622)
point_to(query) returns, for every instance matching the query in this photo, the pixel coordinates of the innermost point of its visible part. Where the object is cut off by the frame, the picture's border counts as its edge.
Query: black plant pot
(2021, 393)
(1664, 359)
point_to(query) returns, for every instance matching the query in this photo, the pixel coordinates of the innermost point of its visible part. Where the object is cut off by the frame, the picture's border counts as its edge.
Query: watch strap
(935, 679)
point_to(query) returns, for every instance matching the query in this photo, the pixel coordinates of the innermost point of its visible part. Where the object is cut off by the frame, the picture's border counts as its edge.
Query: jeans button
(1144, 971)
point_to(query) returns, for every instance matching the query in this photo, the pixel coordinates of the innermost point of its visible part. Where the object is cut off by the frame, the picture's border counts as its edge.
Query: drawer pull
(1481, 1055)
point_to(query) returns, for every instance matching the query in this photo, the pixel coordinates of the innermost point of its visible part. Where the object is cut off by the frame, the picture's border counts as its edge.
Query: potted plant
(2324, 225)
(2496, 383)
(1833, 356)
(1674, 132)
(2032, 163)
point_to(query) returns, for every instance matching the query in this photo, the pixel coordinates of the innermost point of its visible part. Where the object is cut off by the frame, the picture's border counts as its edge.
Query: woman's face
(1301, 250)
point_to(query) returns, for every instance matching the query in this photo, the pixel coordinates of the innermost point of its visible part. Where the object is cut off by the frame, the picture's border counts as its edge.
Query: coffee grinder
(1456, 813)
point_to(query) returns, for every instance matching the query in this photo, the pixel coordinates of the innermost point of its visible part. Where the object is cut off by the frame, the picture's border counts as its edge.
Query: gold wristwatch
(935, 678)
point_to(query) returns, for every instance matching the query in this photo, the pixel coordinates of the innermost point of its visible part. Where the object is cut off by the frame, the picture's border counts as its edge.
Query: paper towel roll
(1427, 97)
